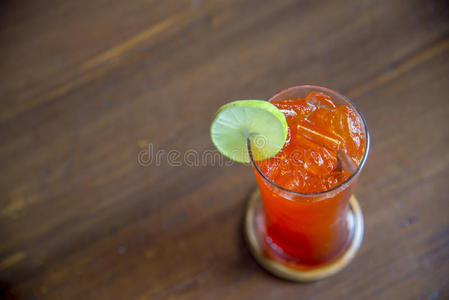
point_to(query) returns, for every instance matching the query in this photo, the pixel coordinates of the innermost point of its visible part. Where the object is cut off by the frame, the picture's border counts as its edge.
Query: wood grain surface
(87, 86)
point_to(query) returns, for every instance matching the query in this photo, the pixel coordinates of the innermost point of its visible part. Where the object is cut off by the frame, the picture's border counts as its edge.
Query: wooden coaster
(276, 268)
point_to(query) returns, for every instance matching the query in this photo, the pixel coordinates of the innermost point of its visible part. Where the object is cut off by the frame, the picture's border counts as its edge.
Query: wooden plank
(90, 84)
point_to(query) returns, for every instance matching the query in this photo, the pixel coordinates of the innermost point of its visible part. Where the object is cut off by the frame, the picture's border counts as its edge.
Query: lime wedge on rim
(260, 121)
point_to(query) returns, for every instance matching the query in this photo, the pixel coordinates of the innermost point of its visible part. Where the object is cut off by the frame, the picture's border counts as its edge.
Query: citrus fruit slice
(259, 121)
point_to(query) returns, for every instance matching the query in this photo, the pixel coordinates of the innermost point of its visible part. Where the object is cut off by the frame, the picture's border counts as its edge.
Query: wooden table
(88, 85)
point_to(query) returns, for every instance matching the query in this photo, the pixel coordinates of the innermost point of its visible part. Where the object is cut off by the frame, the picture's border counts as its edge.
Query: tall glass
(308, 230)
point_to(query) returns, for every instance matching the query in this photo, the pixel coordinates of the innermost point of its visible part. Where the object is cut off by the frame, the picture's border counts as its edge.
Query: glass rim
(350, 178)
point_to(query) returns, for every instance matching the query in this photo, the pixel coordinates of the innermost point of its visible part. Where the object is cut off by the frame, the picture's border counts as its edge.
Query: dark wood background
(87, 85)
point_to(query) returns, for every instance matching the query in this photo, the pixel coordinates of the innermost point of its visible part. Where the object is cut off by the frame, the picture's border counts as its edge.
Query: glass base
(255, 238)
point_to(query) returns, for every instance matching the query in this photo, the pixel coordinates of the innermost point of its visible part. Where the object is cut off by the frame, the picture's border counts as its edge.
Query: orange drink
(305, 188)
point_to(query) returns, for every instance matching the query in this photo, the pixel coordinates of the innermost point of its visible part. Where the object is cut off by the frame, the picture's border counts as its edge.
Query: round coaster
(254, 208)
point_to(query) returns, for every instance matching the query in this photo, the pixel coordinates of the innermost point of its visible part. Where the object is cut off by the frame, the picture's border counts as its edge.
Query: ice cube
(323, 138)
(346, 124)
(317, 159)
(320, 100)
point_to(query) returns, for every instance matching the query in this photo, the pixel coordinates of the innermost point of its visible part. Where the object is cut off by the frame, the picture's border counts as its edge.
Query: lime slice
(260, 121)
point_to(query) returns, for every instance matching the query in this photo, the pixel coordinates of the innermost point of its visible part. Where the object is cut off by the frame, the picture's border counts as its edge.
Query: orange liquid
(311, 230)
